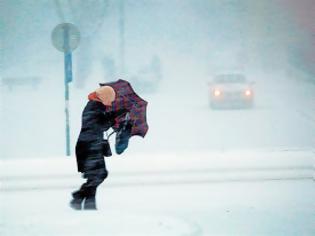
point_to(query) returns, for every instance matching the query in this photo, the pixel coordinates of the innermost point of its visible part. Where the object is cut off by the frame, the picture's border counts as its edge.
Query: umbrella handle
(127, 118)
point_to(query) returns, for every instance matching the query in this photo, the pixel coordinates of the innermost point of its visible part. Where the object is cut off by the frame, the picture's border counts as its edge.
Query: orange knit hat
(106, 94)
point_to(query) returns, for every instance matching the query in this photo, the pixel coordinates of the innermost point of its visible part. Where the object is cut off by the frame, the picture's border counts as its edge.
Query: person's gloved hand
(108, 118)
(105, 120)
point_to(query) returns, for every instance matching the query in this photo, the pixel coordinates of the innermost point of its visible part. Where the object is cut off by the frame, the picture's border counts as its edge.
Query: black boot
(76, 202)
(90, 201)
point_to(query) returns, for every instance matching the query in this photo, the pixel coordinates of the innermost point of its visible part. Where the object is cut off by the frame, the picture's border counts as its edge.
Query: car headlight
(217, 92)
(248, 92)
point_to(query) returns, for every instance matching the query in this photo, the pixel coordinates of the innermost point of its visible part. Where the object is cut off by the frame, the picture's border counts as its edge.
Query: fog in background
(180, 45)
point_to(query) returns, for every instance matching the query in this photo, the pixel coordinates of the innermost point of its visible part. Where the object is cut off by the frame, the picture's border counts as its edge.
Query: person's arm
(107, 119)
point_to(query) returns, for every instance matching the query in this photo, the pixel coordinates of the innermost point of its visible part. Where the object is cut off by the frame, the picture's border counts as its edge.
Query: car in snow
(231, 91)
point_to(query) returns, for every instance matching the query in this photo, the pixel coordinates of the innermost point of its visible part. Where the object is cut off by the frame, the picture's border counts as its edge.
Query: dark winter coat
(95, 120)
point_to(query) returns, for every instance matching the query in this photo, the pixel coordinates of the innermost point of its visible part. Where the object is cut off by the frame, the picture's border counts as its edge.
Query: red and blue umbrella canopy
(127, 98)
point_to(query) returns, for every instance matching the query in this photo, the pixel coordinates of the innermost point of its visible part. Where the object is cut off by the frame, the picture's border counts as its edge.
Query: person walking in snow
(91, 147)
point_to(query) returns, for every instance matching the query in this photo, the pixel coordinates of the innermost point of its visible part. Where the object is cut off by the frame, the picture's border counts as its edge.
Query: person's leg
(81, 155)
(95, 175)
(77, 199)
(90, 187)
(88, 190)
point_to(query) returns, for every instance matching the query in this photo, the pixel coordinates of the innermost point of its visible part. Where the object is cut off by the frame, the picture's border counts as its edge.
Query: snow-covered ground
(159, 169)
(230, 208)
(261, 192)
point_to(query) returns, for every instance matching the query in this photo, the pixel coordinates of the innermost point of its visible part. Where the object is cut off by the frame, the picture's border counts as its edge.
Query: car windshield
(230, 78)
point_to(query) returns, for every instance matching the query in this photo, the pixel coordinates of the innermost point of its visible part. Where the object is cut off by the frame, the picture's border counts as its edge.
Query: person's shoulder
(94, 105)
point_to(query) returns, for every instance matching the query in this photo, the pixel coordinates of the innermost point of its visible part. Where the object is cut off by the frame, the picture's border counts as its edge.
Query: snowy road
(232, 208)
(224, 193)
(180, 117)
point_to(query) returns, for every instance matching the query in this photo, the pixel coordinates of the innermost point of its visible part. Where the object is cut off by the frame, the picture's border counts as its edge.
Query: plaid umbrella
(126, 98)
